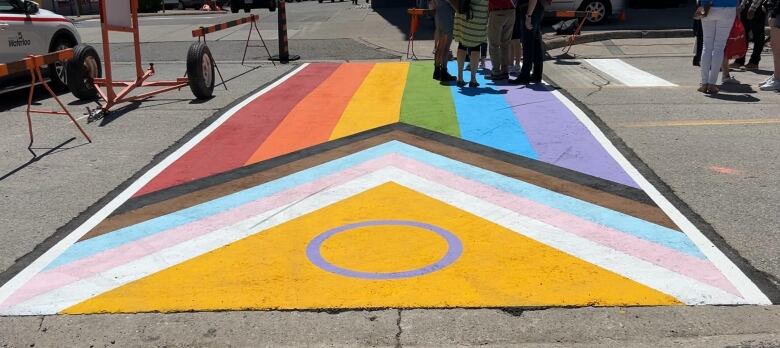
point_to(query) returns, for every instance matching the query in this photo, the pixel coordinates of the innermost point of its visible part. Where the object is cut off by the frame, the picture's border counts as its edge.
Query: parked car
(248, 5)
(26, 29)
(603, 8)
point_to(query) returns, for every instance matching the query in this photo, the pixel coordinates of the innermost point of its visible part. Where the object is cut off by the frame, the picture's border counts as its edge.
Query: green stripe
(427, 104)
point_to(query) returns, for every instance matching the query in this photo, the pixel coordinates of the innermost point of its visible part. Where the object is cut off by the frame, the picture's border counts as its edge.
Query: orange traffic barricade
(33, 64)
(415, 14)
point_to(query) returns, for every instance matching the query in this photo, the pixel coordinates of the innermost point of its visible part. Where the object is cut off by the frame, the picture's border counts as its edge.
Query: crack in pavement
(399, 332)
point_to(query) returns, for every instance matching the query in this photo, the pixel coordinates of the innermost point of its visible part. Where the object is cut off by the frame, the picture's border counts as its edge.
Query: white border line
(746, 287)
(41, 262)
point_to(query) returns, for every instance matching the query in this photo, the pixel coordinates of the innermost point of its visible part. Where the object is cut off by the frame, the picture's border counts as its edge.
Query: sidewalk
(158, 14)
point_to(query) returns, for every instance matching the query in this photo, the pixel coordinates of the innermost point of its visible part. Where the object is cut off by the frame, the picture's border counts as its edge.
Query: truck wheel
(57, 73)
(200, 69)
(82, 69)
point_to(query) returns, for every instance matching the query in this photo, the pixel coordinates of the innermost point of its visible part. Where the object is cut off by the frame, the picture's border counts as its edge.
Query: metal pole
(284, 50)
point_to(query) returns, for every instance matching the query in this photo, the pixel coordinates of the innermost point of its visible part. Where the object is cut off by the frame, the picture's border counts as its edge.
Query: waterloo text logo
(19, 41)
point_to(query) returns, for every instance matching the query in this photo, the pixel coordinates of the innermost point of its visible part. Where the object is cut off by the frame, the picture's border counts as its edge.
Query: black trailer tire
(82, 69)
(200, 69)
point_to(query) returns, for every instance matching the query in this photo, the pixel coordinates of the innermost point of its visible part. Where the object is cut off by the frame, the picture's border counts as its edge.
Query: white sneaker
(770, 86)
(730, 80)
(768, 80)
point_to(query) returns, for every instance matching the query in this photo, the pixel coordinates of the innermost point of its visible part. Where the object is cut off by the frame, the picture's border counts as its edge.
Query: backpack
(566, 27)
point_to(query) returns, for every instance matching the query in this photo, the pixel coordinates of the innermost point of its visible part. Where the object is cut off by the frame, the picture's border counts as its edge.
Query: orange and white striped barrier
(33, 64)
(201, 32)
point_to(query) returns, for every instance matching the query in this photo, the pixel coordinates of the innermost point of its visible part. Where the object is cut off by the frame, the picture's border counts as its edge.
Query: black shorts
(468, 49)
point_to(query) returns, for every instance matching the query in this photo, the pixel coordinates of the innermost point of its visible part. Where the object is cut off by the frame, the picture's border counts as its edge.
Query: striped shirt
(754, 4)
(471, 32)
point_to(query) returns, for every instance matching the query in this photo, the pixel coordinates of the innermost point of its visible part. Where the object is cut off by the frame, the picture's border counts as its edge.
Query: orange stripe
(313, 119)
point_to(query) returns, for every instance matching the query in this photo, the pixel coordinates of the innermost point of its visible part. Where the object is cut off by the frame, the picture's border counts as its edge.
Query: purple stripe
(557, 135)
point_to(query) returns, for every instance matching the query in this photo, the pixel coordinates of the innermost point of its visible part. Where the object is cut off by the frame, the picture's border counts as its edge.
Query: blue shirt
(721, 3)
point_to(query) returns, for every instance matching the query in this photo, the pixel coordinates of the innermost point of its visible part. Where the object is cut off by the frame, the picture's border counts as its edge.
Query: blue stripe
(588, 211)
(488, 119)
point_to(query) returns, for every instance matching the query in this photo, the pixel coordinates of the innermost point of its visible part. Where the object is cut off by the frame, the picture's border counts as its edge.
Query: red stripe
(234, 142)
(33, 19)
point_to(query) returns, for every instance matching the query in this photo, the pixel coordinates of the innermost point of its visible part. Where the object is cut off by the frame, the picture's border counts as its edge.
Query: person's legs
(483, 50)
(528, 54)
(773, 83)
(506, 40)
(538, 58)
(517, 53)
(708, 41)
(699, 42)
(759, 33)
(474, 56)
(444, 27)
(776, 49)
(494, 39)
(723, 22)
(461, 57)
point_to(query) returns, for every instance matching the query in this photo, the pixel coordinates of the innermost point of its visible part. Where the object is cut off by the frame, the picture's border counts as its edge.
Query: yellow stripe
(377, 102)
(698, 123)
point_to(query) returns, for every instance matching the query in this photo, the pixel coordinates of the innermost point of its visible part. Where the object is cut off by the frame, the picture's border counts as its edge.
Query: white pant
(716, 27)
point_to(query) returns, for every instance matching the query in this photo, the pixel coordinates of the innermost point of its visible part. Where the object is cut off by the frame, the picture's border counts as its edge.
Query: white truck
(26, 29)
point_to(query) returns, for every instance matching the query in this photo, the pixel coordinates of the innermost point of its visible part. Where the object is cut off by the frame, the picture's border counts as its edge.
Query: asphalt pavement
(718, 154)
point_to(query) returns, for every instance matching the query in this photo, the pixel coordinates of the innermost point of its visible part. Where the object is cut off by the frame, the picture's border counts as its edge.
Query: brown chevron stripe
(628, 206)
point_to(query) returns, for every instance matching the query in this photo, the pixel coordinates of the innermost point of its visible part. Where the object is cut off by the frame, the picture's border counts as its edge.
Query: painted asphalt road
(567, 247)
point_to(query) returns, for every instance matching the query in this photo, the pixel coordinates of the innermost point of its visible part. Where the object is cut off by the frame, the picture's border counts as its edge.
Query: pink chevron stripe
(689, 266)
(693, 267)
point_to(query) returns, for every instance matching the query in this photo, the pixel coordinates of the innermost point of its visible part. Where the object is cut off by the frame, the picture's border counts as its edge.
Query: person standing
(444, 17)
(471, 33)
(753, 17)
(773, 10)
(500, 26)
(517, 36)
(533, 54)
(716, 26)
(699, 42)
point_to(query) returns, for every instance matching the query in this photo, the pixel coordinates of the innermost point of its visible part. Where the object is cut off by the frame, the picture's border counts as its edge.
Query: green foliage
(149, 5)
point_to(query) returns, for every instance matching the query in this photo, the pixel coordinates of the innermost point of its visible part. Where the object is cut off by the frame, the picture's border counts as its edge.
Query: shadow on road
(59, 148)
(398, 17)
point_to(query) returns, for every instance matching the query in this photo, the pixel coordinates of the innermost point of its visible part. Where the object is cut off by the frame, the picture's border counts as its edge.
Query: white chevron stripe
(685, 289)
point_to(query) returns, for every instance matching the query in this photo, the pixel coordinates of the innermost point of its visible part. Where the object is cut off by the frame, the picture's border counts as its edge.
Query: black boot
(436, 73)
(445, 76)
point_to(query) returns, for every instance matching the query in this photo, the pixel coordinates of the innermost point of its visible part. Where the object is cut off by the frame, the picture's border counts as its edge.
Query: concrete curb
(157, 14)
(561, 41)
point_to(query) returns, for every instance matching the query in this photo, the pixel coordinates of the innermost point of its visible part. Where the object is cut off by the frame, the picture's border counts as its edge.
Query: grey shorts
(445, 17)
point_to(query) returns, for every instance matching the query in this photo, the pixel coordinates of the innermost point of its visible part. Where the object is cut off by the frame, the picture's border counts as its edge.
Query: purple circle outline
(454, 250)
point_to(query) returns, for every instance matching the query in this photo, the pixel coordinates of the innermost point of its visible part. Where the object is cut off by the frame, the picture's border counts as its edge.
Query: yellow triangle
(270, 270)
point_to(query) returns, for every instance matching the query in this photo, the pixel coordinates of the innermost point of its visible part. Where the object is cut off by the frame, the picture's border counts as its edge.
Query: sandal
(473, 84)
(461, 83)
